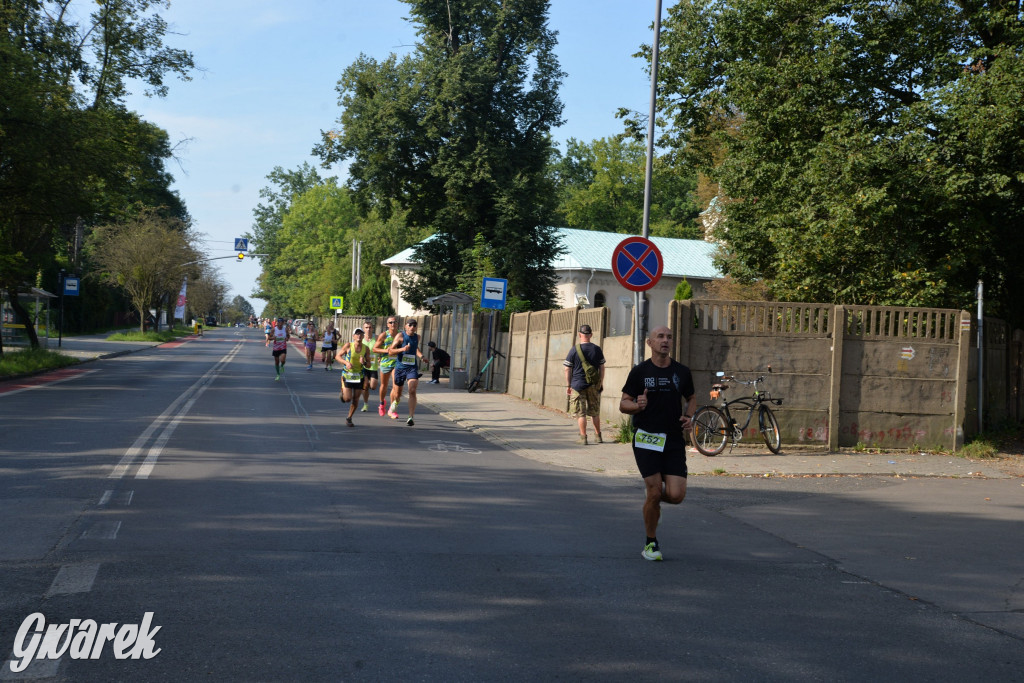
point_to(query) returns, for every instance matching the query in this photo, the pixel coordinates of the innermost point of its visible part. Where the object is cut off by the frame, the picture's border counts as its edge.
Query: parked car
(211, 321)
(298, 325)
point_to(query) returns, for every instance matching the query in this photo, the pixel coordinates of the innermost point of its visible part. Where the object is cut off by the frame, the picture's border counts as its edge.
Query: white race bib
(649, 441)
(409, 359)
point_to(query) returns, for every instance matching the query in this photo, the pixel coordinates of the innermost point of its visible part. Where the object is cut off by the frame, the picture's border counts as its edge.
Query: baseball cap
(358, 330)
(585, 329)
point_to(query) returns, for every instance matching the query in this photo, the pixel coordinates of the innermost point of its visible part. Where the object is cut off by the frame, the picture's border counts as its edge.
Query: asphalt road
(272, 543)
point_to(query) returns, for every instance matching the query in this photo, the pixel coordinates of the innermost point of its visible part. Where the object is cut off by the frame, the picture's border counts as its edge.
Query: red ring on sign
(637, 263)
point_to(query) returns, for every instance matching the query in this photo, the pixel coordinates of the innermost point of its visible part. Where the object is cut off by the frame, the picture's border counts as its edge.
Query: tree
(457, 134)
(269, 218)
(244, 308)
(684, 291)
(206, 291)
(601, 187)
(850, 172)
(68, 148)
(143, 256)
(372, 299)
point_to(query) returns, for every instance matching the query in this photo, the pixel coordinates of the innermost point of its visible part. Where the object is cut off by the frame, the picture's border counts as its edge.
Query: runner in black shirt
(659, 394)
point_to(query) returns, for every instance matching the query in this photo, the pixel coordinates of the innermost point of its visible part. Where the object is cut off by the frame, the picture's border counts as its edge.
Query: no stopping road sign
(637, 264)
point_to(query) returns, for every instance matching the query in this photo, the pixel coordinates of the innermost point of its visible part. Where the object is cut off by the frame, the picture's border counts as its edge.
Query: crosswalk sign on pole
(241, 244)
(337, 302)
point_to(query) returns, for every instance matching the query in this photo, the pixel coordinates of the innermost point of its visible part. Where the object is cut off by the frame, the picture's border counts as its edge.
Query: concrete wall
(881, 376)
(874, 375)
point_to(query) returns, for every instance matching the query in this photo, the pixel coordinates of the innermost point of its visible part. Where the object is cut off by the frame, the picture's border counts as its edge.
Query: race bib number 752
(649, 441)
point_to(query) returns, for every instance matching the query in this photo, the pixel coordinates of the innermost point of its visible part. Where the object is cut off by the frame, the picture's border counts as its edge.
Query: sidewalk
(549, 436)
(94, 346)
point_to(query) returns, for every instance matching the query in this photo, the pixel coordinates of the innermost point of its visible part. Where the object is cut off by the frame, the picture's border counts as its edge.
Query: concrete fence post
(960, 406)
(836, 378)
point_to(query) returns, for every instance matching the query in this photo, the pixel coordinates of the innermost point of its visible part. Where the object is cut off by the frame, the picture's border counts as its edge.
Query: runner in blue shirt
(406, 349)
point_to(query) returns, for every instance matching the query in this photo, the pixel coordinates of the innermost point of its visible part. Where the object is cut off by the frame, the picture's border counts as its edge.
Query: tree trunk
(23, 316)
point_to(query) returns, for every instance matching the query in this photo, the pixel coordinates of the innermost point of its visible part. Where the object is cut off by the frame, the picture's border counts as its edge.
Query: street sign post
(241, 244)
(637, 264)
(494, 293)
(337, 303)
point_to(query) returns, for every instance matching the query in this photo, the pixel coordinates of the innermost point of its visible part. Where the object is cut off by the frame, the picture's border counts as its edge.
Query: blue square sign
(494, 293)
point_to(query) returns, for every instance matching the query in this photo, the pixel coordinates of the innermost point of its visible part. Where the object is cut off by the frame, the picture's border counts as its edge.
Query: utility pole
(640, 316)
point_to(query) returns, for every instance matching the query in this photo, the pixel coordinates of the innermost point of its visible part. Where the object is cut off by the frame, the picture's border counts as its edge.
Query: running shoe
(652, 552)
(392, 415)
(364, 408)
(599, 439)
(380, 410)
(278, 377)
(410, 422)
(348, 421)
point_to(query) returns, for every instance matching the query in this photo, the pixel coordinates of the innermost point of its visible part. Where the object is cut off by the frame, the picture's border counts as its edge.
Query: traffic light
(241, 256)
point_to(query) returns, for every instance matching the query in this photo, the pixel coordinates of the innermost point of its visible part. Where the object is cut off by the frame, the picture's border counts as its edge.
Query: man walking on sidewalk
(584, 382)
(659, 394)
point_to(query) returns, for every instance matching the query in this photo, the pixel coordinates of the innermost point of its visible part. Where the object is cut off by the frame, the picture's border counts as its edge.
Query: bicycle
(711, 426)
(475, 384)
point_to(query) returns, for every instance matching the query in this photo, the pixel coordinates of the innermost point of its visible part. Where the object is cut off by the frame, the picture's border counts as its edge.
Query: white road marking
(73, 578)
(167, 423)
(104, 531)
(37, 669)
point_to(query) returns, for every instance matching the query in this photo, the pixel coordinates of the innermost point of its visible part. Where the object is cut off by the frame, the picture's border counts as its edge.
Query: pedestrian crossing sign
(337, 302)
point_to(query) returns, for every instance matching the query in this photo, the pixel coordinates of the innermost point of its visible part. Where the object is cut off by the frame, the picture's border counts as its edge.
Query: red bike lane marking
(51, 377)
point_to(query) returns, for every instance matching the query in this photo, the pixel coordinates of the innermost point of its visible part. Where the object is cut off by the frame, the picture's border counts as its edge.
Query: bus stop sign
(637, 264)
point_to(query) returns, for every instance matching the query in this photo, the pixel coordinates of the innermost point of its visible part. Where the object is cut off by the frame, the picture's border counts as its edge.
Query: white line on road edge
(136, 448)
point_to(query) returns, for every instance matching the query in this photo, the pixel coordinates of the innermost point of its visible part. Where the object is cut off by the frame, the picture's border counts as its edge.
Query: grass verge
(32, 360)
(161, 336)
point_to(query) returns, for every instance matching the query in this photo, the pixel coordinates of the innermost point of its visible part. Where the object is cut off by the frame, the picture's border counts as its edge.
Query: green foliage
(164, 335)
(32, 360)
(372, 299)
(144, 256)
(601, 187)
(849, 173)
(626, 430)
(311, 224)
(69, 150)
(684, 291)
(457, 136)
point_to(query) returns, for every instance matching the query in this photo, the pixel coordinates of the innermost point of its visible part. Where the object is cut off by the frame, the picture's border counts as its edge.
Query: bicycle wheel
(769, 427)
(474, 385)
(709, 430)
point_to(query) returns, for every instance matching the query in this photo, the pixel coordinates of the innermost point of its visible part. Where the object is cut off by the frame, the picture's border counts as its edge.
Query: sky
(266, 88)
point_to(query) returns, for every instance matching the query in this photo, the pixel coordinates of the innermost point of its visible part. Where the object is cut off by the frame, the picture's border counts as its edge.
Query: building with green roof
(585, 274)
